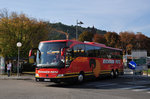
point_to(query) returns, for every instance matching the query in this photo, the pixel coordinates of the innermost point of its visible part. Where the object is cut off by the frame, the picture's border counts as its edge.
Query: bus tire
(112, 74)
(37, 80)
(57, 82)
(116, 73)
(81, 77)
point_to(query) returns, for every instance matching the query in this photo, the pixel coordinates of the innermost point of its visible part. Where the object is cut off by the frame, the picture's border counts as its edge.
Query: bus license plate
(47, 80)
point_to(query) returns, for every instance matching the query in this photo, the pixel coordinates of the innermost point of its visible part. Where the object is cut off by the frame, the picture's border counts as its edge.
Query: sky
(110, 15)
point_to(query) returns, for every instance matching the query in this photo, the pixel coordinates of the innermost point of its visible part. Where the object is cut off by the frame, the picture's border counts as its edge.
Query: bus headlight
(60, 75)
(36, 75)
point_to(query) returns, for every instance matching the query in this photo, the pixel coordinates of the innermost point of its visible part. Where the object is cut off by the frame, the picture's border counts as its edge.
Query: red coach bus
(63, 60)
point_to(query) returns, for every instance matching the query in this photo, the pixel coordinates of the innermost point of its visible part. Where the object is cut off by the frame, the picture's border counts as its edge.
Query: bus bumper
(56, 80)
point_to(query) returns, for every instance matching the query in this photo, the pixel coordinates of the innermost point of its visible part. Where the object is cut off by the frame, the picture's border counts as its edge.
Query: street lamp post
(19, 44)
(77, 29)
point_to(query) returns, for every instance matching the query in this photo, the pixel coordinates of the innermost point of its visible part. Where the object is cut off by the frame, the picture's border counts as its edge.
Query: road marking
(132, 87)
(91, 84)
(144, 89)
(148, 92)
(106, 85)
(100, 84)
(142, 81)
(138, 82)
(97, 83)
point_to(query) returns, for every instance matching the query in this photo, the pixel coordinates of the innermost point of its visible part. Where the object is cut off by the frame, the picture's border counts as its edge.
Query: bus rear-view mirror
(32, 55)
(32, 59)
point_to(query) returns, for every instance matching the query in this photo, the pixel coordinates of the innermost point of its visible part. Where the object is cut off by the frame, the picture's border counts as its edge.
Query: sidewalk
(15, 77)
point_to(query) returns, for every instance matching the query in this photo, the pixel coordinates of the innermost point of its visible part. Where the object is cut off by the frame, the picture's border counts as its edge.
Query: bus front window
(50, 54)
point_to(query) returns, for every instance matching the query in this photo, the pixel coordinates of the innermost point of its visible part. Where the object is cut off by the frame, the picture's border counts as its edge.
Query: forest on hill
(70, 30)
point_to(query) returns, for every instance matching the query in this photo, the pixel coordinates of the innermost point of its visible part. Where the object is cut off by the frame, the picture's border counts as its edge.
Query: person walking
(9, 65)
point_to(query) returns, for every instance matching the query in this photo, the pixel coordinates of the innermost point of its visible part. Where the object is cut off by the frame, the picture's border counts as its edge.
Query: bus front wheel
(80, 77)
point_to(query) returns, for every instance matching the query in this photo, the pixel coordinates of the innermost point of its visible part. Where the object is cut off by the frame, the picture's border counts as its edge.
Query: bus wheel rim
(116, 73)
(112, 73)
(80, 78)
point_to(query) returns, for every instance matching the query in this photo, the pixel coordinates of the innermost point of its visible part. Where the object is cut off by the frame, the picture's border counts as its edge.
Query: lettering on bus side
(107, 61)
(118, 62)
(47, 71)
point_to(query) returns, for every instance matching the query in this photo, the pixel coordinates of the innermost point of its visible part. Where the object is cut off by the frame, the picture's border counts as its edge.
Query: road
(119, 88)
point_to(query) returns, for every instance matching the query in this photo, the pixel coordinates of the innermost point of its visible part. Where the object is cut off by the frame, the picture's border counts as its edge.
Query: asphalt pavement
(123, 87)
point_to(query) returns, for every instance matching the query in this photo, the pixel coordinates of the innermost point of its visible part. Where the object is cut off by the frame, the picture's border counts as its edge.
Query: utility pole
(77, 28)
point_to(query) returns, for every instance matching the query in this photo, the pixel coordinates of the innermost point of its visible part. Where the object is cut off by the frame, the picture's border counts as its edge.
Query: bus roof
(102, 45)
(54, 41)
(86, 42)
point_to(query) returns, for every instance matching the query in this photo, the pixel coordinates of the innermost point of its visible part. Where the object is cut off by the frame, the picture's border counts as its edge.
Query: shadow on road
(104, 83)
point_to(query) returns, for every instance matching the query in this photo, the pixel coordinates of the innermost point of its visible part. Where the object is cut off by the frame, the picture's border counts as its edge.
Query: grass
(30, 73)
(148, 71)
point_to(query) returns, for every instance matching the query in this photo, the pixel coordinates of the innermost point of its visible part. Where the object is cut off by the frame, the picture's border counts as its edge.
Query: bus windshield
(49, 54)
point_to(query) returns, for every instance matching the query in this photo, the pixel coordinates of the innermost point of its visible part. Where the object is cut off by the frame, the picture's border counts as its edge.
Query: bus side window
(69, 43)
(97, 52)
(103, 53)
(113, 54)
(79, 50)
(75, 51)
(90, 51)
(120, 55)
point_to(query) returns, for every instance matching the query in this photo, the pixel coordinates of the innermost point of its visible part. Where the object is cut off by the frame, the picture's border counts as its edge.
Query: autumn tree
(128, 41)
(99, 38)
(86, 36)
(141, 41)
(148, 46)
(112, 39)
(20, 28)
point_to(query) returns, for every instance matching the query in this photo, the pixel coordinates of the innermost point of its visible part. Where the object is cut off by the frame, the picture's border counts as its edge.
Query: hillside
(71, 30)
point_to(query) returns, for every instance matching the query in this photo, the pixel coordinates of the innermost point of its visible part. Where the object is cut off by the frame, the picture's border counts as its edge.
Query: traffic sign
(132, 65)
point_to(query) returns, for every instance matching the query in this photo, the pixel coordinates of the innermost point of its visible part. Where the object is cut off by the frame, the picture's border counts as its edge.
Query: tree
(18, 27)
(86, 36)
(141, 41)
(129, 48)
(99, 38)
(148, 46)
(93, 30)
(112, 39)
(128, 41)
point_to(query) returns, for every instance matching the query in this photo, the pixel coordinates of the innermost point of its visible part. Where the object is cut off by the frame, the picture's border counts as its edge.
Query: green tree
(18, 27)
